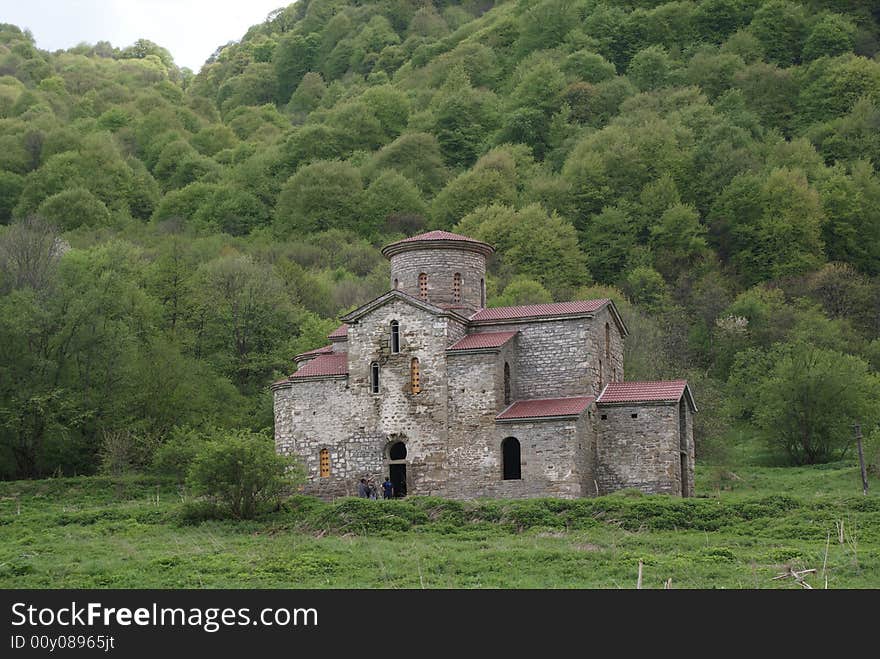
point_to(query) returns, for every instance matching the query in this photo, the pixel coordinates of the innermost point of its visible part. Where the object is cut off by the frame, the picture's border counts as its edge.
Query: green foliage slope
(171, 239)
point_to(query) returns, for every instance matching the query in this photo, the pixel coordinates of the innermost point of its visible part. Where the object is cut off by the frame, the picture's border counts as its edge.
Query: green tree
(74, 208)
(770, 226)
(322, 195)
(807, 400)
(241, 320)
(780, 26)
(530, 242)
(678, 240)
(391, 194)
(293, 58)
(418, 156)
(651, 68)
(521, 290)
(242, 471)
(831, 36)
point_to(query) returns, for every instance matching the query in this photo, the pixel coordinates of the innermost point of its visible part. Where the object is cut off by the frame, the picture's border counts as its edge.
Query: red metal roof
(485, 340)
(312, 353)
(438, 235)
(333, 364)
(529, 310)
(439, 239)
(643, 392)
(544, 407)
(339, 333)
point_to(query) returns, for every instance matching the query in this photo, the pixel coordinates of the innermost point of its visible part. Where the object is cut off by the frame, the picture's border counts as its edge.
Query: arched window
(483, 293)
(510, 459)
(607, 343)
(397, 451)
(506, 383)
(423, 286)
(456, 287)
(374, 377)
(415, 381)
(601, 377)
(324, 460)
(395, 283)
(395, 336)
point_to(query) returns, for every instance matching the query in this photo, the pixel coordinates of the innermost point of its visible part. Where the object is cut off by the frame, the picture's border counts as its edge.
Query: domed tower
(445, 269)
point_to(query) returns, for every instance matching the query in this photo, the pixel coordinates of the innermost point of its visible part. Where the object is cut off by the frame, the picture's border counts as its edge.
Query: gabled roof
(540, 311)
(309, 354)
(486, 340)
(333, 364)
(397, 294)
(434, 239)
(545, 408)
(660, 391)
(339, 334)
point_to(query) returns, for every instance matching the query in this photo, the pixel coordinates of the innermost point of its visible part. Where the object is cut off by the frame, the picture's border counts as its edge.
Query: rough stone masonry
(446, 397)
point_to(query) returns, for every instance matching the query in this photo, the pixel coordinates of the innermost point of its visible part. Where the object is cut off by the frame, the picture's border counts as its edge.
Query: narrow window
(414, 377)
(510, 458)
(423, 286)
(607, 343)
(483, 293)
(601, 376)
(374, 377)
(325, 463)
(395, 284)
(506, 383)
(395, 336)
(456, 287)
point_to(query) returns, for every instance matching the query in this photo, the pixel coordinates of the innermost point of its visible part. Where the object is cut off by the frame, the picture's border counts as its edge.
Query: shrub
(242, 472)
(175, 456)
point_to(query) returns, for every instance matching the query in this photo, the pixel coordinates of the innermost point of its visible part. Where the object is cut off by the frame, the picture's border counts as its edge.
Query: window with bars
(325, 463)
(456, 287)
(415, 379)
(423, 286)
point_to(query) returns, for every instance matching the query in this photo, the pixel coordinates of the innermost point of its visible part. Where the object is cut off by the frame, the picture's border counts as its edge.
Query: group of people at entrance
(367, 489)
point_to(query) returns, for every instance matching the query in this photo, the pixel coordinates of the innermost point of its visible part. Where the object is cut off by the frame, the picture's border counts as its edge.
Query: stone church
(447, 397)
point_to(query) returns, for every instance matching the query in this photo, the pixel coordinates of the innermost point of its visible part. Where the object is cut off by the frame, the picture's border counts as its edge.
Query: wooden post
(858, 428)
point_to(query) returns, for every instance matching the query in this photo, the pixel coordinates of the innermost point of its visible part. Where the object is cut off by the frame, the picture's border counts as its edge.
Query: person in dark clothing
(363, 489)
(387, 488)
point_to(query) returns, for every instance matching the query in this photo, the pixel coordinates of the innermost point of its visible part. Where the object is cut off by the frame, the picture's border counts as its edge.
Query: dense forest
(169, 240)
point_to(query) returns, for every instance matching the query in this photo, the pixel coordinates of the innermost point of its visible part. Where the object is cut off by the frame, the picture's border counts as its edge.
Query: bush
(175, 456)
(242, 472)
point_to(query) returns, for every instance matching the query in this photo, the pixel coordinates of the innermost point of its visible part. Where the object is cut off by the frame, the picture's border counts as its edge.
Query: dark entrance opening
(397, 451)
(510, 458)
(398, 479)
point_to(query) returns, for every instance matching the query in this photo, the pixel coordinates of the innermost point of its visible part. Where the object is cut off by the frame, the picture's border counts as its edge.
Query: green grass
(742, 529)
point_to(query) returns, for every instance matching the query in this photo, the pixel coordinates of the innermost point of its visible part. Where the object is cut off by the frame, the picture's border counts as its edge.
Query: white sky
(190, 29)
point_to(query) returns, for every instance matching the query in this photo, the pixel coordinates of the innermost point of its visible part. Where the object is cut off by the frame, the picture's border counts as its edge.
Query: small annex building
(449, 398)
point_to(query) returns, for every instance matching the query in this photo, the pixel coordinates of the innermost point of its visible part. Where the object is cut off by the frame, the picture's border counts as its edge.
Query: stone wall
(396, 413)
(612, 362)
(552, 459)
(554, 358)
(640, 452)
(316, 414)
(440, 265)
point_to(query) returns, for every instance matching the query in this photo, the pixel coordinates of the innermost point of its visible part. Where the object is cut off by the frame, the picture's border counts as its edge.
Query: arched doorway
(397, 468)
(511, 459)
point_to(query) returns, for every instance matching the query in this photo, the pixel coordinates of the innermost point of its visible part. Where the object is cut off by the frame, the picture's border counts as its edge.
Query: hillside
(171, 240)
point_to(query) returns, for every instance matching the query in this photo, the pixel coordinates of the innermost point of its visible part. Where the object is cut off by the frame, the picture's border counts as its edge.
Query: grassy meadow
(742, 529)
